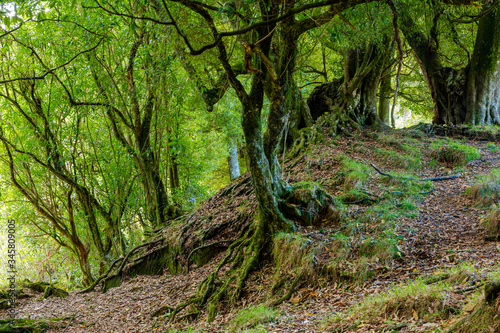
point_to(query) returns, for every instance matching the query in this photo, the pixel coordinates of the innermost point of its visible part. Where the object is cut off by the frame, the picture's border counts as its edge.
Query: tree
(351, 100)
(466, 94)
(272, 71)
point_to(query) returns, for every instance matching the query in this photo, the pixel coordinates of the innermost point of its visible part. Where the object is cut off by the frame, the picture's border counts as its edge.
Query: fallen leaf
(415, 314)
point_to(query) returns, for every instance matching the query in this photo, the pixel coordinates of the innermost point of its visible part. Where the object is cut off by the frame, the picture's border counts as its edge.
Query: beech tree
(466, 94)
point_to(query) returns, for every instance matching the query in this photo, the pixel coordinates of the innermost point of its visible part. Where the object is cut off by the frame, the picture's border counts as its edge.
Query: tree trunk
(270, 217)
(154, 190)
(234, 167)
(467, 95)
(83, 261)
(483, 81)
(354, 96)
(384, 99)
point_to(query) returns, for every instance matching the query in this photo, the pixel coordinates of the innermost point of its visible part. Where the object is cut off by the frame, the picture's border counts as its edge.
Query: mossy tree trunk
(467, 95)
(384, 99)
(272, 74)
(483, 81)
(352, 99)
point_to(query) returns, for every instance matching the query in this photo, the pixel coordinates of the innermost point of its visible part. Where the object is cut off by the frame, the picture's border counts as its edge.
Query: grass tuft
(454, 153)
(410, 159)
(294, 255)
(247, 319)
(486, 190)
(354, 173)
(416, 301)
(492, 223)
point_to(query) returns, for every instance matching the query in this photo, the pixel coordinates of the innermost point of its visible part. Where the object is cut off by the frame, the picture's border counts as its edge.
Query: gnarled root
(243, 253)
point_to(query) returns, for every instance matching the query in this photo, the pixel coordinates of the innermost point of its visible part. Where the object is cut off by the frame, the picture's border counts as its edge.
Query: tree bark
(483, 81)
(354, 96)
(468, 95)
(234, 167)
(384, 99)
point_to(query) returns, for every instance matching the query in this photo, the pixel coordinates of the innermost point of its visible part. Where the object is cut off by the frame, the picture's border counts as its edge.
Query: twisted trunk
(483, 81)
(352, 99)
(468, 95)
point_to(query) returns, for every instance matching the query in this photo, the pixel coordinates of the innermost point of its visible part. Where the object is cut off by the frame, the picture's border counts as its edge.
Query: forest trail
(446, 231)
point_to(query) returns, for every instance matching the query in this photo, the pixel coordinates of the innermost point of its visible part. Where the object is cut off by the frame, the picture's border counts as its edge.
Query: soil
(447, 231)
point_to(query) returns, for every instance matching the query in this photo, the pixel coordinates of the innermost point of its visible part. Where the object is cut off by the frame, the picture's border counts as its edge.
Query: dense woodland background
(119, 118)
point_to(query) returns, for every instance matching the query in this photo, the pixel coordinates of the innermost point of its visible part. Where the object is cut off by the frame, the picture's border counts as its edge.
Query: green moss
(353, 173)
(406, 161)
(23, 325)
(414, 300)
(493, 147)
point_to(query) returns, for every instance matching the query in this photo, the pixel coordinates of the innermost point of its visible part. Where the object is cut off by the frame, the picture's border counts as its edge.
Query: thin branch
(116, 13)
(49, 71)
(221, 35)
(433, 179)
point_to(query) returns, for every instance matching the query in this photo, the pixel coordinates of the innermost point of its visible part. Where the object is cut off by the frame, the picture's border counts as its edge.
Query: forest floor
(441, 231)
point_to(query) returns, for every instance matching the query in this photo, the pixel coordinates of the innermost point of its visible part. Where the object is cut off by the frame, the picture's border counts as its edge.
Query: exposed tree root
(286, 297)
(243, 253)
(203, 247)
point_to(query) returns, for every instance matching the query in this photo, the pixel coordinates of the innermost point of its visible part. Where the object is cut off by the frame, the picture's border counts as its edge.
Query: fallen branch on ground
(433, 179)
(466, 290)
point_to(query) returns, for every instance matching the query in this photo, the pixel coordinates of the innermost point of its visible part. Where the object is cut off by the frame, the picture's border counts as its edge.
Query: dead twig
(471, 288)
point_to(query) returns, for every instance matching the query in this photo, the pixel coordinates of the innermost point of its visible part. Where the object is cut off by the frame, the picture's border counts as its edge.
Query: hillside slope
(381, 231)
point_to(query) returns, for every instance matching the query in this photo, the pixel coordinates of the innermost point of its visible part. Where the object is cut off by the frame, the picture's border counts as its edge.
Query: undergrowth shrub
(486, 190)
(454, 153)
